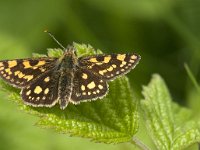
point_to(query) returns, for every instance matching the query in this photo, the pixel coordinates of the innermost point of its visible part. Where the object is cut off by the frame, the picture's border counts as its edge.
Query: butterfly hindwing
(21, 72)
(43, 91)
(109, 66)
(87, 86)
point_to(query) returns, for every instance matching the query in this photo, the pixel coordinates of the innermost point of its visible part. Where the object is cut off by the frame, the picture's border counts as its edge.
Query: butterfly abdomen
(65, 88)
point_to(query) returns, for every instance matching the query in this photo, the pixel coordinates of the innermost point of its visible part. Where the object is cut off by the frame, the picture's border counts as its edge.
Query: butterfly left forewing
(110, 66)
(21, 72)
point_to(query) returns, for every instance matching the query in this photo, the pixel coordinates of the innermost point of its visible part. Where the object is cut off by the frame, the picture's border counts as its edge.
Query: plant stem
(192, 78)
(139, 144)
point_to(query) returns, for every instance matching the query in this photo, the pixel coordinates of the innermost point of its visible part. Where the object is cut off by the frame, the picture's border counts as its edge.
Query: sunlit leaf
(169, 125)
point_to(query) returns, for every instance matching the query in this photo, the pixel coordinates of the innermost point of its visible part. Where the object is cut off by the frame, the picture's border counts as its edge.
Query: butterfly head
(70, 50)
(69, 57)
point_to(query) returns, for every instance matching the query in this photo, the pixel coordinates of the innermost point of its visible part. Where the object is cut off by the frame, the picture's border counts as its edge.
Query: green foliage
(116, 27)
(169, 125)
(144, 8)
(113, 119)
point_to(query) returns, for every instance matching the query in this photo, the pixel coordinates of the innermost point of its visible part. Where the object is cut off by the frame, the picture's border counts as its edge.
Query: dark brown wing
(43, 91)
(87, 86)
(109, 66)
(21, 72)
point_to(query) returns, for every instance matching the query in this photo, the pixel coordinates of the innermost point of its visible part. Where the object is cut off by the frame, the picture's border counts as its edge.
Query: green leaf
(113, 119)
(54, 52)
(170, 126)
(36, 55)
(84, 50)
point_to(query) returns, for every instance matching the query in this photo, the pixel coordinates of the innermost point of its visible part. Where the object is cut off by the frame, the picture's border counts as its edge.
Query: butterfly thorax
(68, 60)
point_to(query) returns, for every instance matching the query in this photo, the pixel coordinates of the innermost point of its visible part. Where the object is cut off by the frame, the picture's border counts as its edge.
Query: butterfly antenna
(52, 36)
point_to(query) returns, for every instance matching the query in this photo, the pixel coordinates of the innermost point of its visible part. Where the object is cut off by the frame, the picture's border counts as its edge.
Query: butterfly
(46, 81)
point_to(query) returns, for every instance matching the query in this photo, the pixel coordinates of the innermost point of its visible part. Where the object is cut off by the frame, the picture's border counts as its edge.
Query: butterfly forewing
(43, 91)
(110, 66)
(87, 86)
(21, 72)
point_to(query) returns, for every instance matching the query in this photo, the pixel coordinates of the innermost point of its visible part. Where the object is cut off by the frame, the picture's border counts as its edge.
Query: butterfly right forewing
(109, 66)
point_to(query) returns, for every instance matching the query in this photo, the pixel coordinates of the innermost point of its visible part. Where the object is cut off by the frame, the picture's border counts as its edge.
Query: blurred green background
(165, 33)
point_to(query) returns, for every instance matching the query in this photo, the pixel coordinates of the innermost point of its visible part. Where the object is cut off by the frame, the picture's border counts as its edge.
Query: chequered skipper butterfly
(46, 81)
